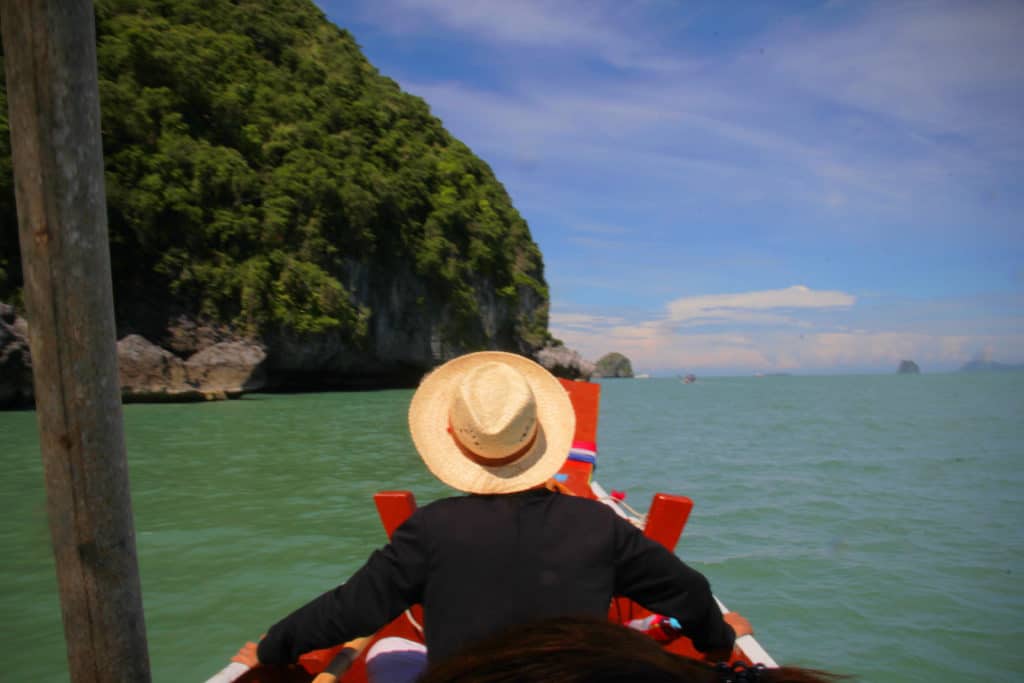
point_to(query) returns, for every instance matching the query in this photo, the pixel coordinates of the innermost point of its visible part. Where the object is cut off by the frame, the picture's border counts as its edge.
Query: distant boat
(689, 379)
(643, 376)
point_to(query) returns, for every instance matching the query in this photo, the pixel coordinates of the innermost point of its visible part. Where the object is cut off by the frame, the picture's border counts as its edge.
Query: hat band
(494, 462)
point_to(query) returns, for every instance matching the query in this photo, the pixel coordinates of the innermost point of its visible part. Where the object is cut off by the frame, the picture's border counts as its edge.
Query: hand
(247, 655)
(739, 624)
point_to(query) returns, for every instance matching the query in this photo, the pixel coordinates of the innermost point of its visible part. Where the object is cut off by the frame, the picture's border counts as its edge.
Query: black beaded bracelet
(739, 672)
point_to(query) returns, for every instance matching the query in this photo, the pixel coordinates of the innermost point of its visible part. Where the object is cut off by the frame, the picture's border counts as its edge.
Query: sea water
(869, 525)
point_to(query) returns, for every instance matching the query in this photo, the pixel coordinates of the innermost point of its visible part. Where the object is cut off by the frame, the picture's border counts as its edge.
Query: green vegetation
(254, 157)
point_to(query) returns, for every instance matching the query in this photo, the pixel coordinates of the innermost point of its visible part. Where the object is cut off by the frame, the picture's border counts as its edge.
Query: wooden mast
(50, 56)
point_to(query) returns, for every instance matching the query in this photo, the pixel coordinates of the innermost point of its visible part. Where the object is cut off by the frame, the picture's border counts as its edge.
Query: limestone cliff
(267, 186)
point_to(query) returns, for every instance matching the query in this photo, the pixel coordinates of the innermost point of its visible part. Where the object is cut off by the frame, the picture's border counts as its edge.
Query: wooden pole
(50, 56)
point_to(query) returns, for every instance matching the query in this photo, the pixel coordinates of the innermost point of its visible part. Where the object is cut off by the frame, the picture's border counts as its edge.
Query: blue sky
(807, 187)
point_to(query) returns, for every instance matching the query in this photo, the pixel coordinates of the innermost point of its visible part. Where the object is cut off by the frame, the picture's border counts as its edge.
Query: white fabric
(394, 644)
(232, 672)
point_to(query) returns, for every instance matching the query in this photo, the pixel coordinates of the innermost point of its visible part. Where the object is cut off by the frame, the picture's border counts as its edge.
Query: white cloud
(746, 306)
(656, 348)
(750, 337)
(521, 23)
(600, 229)
(583, 321)
(609, 30)
(943, 67)
(898, 107)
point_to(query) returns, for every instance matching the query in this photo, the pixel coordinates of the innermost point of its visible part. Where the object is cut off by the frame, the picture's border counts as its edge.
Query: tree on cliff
(255, 160)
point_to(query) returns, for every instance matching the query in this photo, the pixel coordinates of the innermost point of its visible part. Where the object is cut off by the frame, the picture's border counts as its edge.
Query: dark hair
(587, 650)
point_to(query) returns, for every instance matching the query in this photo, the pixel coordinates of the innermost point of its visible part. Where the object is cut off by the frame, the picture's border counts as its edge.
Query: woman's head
(585, 650)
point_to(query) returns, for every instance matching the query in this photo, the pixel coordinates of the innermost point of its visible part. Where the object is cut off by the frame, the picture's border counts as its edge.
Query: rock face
(908, 367)
(564, 362)
(15, 361)
(151, 374)
(411, 329)
(613, 365)
(229, 367)
(148, 373)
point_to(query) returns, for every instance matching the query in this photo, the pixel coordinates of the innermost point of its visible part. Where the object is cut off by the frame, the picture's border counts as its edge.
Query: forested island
(267, 186)
(613, 364)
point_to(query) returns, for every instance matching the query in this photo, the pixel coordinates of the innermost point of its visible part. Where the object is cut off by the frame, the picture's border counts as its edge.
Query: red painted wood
(586, 402)
(666, 518)
(394, 507)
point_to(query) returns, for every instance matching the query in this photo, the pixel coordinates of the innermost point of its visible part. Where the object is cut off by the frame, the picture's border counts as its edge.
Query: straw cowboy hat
(492, 422)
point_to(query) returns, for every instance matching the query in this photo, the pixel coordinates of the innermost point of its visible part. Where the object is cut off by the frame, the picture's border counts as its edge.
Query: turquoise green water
(865, 524)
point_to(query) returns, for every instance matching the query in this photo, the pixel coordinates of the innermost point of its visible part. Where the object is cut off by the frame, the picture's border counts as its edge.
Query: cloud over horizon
(769, 331)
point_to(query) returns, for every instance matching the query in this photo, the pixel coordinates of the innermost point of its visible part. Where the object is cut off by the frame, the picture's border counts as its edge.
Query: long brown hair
(586, 650)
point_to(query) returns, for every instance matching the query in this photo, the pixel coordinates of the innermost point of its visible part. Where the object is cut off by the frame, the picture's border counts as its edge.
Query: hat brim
(428, 424)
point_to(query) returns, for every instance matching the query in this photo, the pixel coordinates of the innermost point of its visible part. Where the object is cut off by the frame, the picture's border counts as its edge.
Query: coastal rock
(563, 362)
(613, 365)
(185, 336)
(150, 373)
(229, 368)
(908, 367)
(16, 389)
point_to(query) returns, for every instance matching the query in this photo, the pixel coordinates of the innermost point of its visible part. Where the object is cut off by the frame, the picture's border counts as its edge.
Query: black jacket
(480, 563)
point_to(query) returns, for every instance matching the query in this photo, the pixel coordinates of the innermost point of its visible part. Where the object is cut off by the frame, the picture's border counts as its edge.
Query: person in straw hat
(497, 426)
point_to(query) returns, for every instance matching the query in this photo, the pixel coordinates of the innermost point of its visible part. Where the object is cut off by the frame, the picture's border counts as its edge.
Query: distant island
(908, 367)
(991, 366)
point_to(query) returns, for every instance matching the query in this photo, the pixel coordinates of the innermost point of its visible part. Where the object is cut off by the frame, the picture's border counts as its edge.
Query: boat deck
(664, 522)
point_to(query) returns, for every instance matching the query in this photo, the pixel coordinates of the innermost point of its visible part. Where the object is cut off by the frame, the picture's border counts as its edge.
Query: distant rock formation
(613, 365)
(149, 373)
(15, 361)
(908, 367)
(564, 362)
